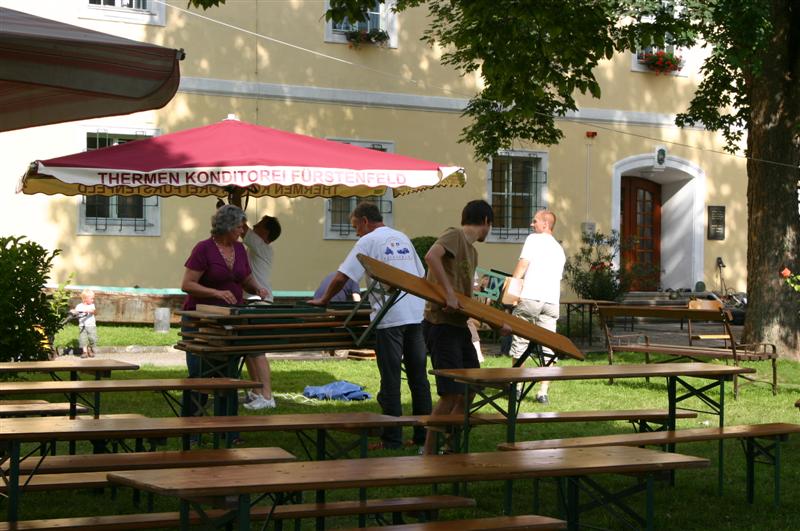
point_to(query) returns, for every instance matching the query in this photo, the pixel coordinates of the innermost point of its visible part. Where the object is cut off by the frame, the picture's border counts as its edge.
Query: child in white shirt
(87, 326)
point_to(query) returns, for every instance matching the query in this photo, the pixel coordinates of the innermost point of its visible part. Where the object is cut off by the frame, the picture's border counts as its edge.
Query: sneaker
(542, 399)
(248, 397)
(260, 403)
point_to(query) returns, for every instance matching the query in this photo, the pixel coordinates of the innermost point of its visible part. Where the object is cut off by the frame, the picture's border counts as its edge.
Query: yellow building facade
(280, 64)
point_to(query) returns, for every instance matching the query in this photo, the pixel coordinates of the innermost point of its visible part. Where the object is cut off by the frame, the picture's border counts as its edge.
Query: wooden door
(640, 211)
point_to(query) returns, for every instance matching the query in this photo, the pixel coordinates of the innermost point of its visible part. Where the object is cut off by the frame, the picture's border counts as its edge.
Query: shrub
(28, 317)
(422, 244)
(591, 273)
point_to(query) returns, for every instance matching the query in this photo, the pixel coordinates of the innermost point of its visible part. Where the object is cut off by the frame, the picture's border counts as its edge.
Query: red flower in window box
(662, 62)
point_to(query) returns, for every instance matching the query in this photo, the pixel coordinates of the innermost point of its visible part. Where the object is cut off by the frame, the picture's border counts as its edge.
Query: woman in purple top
(217, 272)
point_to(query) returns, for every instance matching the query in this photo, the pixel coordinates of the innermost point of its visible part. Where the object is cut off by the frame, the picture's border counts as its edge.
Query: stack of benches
(273, 328)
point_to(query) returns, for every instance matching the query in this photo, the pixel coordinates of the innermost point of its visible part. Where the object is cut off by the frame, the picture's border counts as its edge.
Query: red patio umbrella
(218, 158)
(53, 72)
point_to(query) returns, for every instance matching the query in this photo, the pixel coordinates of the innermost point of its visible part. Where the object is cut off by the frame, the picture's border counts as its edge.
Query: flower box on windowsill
(662, 62)
(356, 38)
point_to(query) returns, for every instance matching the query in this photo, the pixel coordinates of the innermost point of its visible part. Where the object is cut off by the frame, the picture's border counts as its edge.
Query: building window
(118, 215)
(379, 16)
(517, 182)
(131, 11)
(141, 5)
(338, 209)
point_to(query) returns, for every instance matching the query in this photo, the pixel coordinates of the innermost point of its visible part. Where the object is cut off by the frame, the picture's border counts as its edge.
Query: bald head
(543, 222)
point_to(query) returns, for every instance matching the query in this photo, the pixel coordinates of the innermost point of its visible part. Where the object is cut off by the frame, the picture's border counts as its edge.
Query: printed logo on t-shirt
(395, 249)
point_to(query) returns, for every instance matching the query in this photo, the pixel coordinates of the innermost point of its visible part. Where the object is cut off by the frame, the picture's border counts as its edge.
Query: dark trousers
(398, 347)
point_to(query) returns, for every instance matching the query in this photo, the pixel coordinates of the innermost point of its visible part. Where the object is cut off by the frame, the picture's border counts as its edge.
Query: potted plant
(375, 36)
(662, 62)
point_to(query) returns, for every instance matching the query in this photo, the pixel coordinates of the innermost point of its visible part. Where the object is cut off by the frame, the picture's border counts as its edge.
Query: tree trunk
(773, 312)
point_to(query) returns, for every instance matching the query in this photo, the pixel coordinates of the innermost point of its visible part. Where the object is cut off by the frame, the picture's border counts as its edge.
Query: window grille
(516, 193)
(119, 215)
(338, 209)
(141, 5)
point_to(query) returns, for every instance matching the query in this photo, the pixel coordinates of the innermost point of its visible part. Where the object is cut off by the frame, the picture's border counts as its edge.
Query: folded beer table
(222, 336)
(247, 485)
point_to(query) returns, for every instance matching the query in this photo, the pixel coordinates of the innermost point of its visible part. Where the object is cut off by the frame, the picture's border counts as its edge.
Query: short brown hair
(369, 210)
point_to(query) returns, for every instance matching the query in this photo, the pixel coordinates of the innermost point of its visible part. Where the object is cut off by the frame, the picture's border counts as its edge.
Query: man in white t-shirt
(399, 333)
(541, 266)
(258, 240)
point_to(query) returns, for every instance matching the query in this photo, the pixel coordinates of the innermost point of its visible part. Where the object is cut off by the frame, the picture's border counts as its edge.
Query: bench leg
(573, 508)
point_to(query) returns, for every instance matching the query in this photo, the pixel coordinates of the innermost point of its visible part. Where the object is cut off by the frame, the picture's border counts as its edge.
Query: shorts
(450, 347)
(87, 336)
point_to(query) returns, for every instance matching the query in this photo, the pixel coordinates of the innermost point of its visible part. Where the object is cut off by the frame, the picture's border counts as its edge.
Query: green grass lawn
(119, 336)
(692, 503)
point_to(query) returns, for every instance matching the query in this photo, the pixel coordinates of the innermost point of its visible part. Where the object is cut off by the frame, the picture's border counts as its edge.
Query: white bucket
(161, 318)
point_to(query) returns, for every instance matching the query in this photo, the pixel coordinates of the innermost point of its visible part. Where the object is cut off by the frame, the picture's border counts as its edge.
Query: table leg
(320, 494)
(511, 436)
(569, 311)
(13, 481)
(650, 504)
(466, 427)
(776, 465)
(573, 509)
(721, 444)
(244, 512)
(185, 524)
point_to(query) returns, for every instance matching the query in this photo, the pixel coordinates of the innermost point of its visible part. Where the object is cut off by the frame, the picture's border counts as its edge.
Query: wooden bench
(640, 343)
(89, 471)
(640, 418)
(172, 519)
(40, 409)
(749, 433)
(496, 523)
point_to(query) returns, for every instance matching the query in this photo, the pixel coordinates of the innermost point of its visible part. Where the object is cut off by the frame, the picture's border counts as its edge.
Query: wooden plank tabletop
(67, 363)
(503, 375)
(37, 429)
(661, 312)
(312, 313)
(404, 470)
(483, 312)
(101, 386)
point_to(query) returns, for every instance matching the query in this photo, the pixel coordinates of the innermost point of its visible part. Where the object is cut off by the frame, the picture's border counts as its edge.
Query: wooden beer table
(74, 388)
(312, 429)
(497, 387)
(99, 367)
(246, 485)
(582, 306)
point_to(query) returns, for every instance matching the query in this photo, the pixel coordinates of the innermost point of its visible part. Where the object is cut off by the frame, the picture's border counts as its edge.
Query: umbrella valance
(54, 72)
(209, 160)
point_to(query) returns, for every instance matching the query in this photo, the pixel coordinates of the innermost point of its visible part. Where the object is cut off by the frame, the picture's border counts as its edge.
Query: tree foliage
(536, 56)
(28, 317)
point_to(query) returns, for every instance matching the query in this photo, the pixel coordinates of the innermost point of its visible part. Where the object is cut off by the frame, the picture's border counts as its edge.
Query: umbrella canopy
(214, 159)
(53, 72)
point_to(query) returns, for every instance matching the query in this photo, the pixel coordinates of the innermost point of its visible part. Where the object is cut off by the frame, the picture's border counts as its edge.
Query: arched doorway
(640, 230)
(682, 188)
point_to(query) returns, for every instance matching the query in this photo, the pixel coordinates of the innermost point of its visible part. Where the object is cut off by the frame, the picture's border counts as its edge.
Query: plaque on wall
(716, 223)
